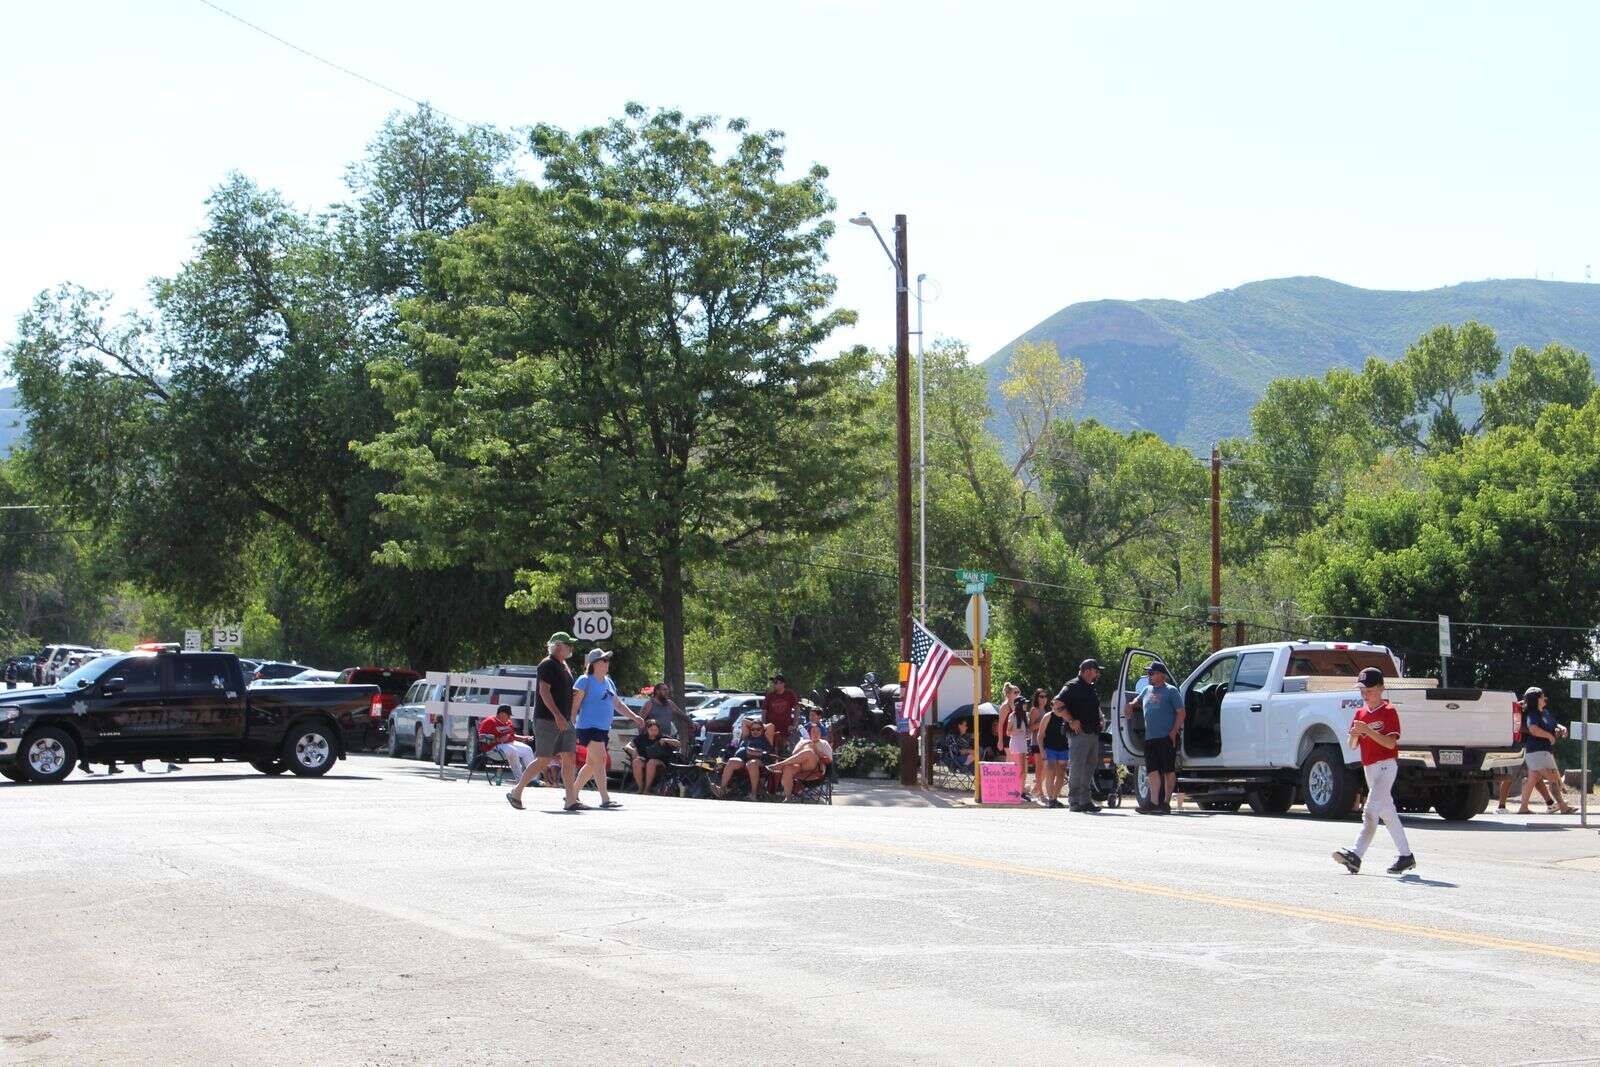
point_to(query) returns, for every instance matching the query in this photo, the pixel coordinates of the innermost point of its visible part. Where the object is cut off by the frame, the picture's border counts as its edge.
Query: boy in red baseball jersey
(1375, 730)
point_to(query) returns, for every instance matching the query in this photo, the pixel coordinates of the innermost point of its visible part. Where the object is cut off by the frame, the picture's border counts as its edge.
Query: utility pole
(909, 763)
(1216, 548)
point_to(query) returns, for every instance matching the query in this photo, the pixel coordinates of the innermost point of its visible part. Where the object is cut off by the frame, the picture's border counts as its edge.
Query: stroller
(1106, 785)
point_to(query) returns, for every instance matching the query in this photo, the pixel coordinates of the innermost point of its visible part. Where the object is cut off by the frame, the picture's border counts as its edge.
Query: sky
(1044, 153)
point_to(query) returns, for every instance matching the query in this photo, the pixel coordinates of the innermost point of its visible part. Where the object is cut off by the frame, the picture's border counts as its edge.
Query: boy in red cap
(1375, 730)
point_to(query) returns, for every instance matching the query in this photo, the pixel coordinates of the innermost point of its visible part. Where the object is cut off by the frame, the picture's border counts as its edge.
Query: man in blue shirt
(1163, 719)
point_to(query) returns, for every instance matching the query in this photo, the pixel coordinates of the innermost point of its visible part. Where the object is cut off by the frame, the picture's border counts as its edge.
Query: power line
(330, 63)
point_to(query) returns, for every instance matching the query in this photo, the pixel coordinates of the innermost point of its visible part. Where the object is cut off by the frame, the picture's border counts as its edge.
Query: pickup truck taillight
(1516, 722)
(377, 705)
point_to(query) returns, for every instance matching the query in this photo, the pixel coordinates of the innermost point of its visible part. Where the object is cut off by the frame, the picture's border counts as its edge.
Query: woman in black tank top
(1056, 736)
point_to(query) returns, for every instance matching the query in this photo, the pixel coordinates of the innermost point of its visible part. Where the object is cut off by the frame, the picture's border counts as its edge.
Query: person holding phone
(1375, 731)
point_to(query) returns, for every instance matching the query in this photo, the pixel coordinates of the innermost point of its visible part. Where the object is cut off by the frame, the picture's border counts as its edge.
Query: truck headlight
(8, 714)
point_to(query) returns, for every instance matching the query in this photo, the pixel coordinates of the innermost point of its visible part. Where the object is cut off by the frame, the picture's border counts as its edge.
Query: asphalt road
(381, 916)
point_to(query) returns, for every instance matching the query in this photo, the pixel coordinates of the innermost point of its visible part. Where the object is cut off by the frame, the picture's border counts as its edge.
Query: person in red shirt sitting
(778, 708)
(496, 734)
(1375, 730)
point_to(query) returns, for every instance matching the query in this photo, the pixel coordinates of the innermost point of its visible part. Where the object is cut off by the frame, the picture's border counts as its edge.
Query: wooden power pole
(1216, 548)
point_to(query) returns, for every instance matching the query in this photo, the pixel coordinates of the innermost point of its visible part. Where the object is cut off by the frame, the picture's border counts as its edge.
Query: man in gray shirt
(1163, 719)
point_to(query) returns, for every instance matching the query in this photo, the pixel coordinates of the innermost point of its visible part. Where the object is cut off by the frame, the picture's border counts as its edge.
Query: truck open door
(1127, 729)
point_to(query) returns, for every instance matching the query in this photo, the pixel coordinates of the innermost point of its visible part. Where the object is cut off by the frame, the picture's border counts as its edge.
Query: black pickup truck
(175, 706)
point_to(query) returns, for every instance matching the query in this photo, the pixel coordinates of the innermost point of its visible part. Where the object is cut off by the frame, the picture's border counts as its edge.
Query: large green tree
(210, 441)
(639, 390)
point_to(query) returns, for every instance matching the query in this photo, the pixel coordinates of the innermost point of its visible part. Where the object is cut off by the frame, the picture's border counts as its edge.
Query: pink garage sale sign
(1002, 783)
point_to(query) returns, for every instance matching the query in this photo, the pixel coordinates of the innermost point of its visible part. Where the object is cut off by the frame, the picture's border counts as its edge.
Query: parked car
(47, 670)
(410, 732)
(161, 703)
(1269, 722)
(312, 676)
(267, 670)
(392, 683)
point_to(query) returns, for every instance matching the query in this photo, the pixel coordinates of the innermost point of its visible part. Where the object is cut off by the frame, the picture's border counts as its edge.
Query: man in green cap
(553, 733)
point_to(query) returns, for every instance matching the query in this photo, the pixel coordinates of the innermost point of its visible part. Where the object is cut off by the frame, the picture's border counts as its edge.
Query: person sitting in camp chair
(497, 735)
(808, 761)
(753, 750)
(649, 752)
(957, 747)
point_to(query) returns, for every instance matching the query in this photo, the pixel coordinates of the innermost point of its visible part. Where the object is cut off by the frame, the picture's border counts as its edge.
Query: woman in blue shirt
(594, 699)
(1540, 734)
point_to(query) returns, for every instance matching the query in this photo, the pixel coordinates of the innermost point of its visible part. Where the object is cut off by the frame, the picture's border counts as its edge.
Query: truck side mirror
(112, 686)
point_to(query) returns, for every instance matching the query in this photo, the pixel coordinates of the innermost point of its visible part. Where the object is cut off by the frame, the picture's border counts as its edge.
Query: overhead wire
(330, 63)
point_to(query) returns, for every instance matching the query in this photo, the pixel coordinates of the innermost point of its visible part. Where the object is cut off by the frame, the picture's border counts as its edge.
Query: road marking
(1291, 911)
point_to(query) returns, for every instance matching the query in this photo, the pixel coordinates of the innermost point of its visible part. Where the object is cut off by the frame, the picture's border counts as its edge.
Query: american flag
(930, 659)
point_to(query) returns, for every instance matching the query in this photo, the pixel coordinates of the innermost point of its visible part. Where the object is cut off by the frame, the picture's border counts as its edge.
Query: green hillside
(1190, 371)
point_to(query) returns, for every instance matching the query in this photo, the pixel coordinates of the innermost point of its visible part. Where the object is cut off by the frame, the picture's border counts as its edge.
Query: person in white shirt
(809, 759)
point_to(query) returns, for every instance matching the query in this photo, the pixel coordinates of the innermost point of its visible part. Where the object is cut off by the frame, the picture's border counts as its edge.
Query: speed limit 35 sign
(592, 625)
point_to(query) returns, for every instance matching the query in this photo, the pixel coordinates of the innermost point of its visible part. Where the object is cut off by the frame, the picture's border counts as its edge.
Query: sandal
(514, 802)
(608, 804)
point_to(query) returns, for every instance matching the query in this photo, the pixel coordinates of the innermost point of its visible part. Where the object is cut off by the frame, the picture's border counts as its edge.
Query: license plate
(1449, 757)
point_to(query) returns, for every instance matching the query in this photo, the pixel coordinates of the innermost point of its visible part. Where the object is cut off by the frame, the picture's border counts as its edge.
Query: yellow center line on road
(1290, 911)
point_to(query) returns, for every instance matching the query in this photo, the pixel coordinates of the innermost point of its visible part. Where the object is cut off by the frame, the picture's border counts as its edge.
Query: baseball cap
(563, 637)
(1089, 665)
(1369, 676)
(1157, 666)
(594, 655)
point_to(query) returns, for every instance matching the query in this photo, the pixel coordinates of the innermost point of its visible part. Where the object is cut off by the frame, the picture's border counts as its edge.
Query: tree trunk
(672, 622)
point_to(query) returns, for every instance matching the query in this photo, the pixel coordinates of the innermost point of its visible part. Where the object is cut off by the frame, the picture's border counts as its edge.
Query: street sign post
(593, 619)
(977, 626)
(977, 619)
(592, 626)
(1583, 690)
(975, 581)
(1444, 650)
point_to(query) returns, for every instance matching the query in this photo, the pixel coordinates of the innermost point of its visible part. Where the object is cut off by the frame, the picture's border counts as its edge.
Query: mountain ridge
(1191, 370)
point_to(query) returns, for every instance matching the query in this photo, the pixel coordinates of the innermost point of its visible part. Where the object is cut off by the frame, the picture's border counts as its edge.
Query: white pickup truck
(1268, 724)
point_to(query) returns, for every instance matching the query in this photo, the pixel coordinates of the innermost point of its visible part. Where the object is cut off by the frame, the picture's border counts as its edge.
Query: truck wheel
(1326, 784)
(48, 755)
(1141, 786)
(1464, 802)
(269, 766)
(1272, 799)
(394, 744)
(418, 745)
(309, 750)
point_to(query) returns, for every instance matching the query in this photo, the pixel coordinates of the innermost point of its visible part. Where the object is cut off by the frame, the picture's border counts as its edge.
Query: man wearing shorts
(1163, 719)
(553, 735)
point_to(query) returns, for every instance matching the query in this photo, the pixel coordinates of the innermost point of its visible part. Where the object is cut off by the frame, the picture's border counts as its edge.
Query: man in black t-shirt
(1083, 718)
(553, 734)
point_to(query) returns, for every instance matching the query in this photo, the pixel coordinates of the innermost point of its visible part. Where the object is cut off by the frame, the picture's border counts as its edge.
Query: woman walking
(1538, 750)
(1015, 736)
(594, 699)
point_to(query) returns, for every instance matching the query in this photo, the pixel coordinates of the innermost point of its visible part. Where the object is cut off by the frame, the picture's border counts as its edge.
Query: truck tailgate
(1454, 718)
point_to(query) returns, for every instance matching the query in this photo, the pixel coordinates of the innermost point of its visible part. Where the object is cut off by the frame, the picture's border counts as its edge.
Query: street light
(902, 403)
